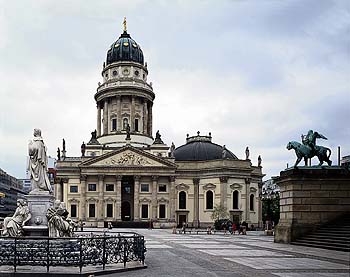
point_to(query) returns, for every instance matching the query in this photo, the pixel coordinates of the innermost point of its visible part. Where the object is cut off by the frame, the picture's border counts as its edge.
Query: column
(223, 191)
(119, 114)
(100, 215)
(172, 198)
(136, 198)
(59, 190)
(145, 117)
(109, 127)
(83, 197)
(98, 119)
(154, 197)
(247, 198)
(196, 202)
(150, 119)
(105, 117)
(132, 114)
(119, 197)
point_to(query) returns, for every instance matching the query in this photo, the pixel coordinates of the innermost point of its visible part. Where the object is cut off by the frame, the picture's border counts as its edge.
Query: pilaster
(100, 216)
(172, 198)
(196, 202)
(83, 196)
(119, 196)
(223, 191)
(137, 198)
(154, 196)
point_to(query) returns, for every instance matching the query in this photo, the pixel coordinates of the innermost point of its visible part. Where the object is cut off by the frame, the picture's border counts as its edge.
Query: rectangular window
(109, 187)
(109, 210)
(92, 187)
(114, 124)
(73, 210)
(144, 187)
(162, 188)
(136, 125)
(91, 210)
(161, 211)
(144, 211)
(73, 189)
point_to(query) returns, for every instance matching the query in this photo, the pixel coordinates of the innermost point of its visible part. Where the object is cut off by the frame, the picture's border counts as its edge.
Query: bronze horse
(303, 151)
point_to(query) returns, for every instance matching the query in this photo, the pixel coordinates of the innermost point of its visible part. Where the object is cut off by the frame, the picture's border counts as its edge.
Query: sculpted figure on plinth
(308, 148)
(38, 164)
(59, 223)
(13, 226)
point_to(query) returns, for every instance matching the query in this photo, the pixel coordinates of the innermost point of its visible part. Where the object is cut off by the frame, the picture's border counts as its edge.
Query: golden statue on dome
(124, 23)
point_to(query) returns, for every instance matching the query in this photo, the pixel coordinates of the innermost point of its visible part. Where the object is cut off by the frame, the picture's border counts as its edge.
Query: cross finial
(124, 23)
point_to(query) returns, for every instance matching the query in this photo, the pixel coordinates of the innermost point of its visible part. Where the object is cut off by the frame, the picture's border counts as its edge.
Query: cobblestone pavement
(234, 255)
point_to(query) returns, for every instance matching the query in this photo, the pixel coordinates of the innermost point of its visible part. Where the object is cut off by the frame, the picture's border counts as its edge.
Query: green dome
(124, 49)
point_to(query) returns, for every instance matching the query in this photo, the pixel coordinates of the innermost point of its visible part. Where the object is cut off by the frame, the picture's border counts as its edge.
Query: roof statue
(128, 137)
(158, 139)
(308, 149)
(247, 153)
(259, 161)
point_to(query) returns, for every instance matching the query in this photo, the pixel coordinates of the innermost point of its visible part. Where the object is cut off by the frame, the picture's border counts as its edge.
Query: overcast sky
(253, 73)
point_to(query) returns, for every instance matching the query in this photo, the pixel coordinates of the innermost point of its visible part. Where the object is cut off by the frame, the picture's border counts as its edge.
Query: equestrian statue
(308, 149)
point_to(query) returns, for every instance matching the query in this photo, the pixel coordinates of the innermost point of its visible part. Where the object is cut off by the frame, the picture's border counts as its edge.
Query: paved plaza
(234, 255)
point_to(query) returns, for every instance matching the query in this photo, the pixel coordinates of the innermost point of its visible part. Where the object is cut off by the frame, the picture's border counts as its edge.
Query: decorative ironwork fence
(86, 249)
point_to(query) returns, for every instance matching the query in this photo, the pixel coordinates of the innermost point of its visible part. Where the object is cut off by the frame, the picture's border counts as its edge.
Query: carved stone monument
(40, 198)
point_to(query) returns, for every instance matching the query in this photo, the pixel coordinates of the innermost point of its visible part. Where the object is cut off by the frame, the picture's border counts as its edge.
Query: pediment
(128, 157)
(252, 189)
(209, 186)
(182, 187)
(236, 186)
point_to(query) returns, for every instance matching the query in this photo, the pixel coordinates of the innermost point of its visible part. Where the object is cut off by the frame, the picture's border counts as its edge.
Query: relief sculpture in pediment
(129, 159)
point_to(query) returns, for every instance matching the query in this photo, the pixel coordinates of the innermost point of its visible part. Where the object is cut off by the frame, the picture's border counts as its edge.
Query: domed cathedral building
(129, 177)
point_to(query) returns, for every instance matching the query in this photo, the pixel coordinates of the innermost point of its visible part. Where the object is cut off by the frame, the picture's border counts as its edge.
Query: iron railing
(79, 251)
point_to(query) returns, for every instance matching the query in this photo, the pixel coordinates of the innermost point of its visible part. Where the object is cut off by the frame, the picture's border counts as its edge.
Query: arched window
(125, 123)
(114, 124)
(251, 202)
(210, 198)
(235, 199)
(182, 200)
(136, 125)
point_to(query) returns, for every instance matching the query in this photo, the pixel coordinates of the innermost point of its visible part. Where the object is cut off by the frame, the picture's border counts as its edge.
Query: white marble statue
(59, 223)
(13, 225)
(38, 164)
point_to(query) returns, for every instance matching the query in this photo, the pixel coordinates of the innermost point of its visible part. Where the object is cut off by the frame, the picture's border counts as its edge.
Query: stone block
(339, 194)
(300, 208)
(345, 201)
(308, 186)
(300, 194)
(332, 186)
(319, 194)
(320, 201)
(38, 205)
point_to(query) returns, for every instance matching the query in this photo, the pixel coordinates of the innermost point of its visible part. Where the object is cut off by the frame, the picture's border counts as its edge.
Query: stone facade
(139, 179)
(310, 197)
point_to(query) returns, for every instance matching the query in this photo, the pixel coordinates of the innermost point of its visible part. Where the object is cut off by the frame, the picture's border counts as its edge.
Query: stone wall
(311, 197)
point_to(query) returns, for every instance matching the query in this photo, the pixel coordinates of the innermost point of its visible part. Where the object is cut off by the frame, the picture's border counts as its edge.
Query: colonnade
(104, 126)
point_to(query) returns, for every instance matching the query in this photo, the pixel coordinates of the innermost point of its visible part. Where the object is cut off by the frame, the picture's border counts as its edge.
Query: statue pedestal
(310, 197)
(38, 203)
(36, 231)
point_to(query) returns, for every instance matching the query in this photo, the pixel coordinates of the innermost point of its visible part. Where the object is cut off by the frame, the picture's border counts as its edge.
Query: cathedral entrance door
(127, 207)
(126, 211)
(182, 220)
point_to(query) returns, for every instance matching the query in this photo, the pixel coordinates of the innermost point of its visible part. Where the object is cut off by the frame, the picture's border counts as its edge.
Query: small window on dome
(126, 44)
(115, 73)
(137, 73)
(106, 75)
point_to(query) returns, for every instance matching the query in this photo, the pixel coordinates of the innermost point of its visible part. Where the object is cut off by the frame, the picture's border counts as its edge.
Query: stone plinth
(310, 197)
(38, 204)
